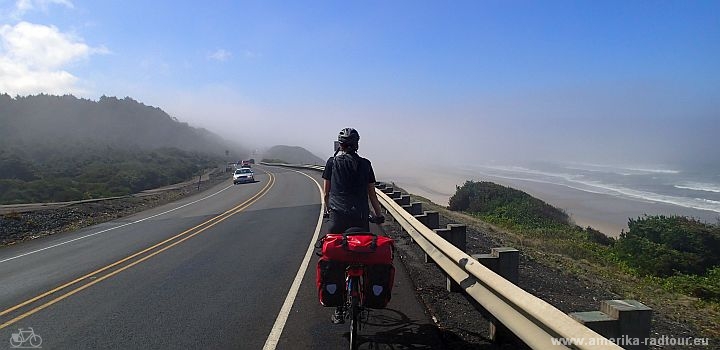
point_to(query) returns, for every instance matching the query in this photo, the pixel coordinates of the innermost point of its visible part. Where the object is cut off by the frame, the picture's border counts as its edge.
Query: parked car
(243, 175)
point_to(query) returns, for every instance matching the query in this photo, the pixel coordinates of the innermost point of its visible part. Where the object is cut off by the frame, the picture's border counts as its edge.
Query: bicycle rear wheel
(354, 310)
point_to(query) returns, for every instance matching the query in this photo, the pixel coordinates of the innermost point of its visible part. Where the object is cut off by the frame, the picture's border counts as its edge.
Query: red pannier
(338, 251)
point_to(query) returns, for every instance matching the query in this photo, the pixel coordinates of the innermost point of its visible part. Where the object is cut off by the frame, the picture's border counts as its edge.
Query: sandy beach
(608, 214)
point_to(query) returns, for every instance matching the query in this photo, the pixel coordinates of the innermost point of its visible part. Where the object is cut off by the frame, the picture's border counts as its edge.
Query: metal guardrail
(531, 319)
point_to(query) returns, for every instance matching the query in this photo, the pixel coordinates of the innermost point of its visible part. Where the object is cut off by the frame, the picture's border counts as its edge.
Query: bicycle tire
(354, 314)
(35, 341)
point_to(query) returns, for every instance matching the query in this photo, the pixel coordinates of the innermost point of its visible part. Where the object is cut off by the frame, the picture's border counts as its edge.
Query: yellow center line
(210, 223)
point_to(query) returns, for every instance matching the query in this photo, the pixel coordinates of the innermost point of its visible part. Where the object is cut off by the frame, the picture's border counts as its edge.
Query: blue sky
(479, 80)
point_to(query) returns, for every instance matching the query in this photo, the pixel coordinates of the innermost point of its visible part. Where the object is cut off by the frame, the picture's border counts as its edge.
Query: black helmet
(348, 136)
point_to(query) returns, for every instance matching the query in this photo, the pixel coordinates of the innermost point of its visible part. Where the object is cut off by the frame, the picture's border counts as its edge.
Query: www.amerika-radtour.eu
(625, 340)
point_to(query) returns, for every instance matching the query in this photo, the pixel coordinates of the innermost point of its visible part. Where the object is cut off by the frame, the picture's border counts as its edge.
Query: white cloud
(24, 6)
(33, 58)
(252, 55)
(220, 55)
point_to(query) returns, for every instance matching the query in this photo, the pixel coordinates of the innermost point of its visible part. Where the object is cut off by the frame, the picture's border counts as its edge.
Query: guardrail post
(442, 232)
(415, 208)
(634, 319)
(395, 195)
(599, 322)
(402, 200)
(433, 220)
(505, 261)
(626, 320)
(456, 235)
(388, 190)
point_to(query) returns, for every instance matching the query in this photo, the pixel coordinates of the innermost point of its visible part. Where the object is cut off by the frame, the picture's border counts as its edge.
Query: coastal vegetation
(291, 155)
(62, 148)
(679, 254)
(85, 171)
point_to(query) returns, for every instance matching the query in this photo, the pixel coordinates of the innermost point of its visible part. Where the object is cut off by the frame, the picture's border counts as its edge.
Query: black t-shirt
(349, 176)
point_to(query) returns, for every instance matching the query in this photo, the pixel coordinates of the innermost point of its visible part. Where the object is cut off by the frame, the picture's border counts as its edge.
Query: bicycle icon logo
(25, 339)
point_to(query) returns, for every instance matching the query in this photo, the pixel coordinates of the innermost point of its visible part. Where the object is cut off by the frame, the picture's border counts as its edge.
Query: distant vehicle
(243, 175)
(251, 160)
(245, 164)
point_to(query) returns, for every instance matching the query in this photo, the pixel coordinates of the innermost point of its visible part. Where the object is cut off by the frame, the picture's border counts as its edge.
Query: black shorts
(339, 223)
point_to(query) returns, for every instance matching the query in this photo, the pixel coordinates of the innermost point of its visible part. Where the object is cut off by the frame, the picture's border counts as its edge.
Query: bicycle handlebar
(377, 219)
(374, 219)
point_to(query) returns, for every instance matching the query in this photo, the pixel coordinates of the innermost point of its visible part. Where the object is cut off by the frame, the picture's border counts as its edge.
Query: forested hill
(61, 148)
(46, 120)
(293, 155)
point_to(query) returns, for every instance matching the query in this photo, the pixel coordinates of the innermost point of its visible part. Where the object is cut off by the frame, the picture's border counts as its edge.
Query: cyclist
(349, 182)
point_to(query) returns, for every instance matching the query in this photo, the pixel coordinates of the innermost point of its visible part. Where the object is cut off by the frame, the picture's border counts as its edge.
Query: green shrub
(504, 204)
(678, 253)
(665, 246)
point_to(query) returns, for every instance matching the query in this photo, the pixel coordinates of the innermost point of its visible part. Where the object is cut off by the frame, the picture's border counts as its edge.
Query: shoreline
(605, 213)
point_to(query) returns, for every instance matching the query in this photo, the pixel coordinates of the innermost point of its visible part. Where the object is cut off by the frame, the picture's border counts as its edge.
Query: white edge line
(110, 229)
(282, 317)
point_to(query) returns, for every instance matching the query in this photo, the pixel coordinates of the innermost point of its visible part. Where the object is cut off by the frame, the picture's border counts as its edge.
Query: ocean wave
(612, 171)
(582, 184)
(697, 186)
(694, 203)
(619, 169)
(655, 171)
(536, 180)
(519, 169)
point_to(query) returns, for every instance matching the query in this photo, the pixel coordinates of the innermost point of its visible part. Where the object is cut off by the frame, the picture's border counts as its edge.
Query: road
(231, 267)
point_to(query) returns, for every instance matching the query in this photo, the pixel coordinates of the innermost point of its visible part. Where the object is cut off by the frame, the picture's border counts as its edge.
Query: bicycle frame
(355, 299)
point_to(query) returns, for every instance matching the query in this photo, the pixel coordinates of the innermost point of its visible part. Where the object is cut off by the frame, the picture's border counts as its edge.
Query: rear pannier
(339, 251)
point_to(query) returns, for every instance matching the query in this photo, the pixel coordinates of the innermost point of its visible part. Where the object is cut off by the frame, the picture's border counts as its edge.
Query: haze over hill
(59, 148)
(292, 155)
(44, 120)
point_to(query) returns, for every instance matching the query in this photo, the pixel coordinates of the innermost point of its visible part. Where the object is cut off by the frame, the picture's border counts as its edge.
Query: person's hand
(378, 219)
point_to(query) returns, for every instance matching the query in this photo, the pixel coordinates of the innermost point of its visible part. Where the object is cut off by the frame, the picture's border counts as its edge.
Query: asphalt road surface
(228, 268)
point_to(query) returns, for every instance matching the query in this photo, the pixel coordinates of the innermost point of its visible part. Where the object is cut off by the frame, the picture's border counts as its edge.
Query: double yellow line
(129, 261)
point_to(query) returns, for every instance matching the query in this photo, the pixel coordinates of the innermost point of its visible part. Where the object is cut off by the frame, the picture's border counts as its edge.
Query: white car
(243, 175)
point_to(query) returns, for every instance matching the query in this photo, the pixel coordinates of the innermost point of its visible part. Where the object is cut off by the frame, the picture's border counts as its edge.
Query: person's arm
(373, 199)
(326, 194)
(327, 175)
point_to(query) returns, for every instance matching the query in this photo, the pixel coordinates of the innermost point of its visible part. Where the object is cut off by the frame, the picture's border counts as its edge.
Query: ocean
(695, 188)
(602, 196)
